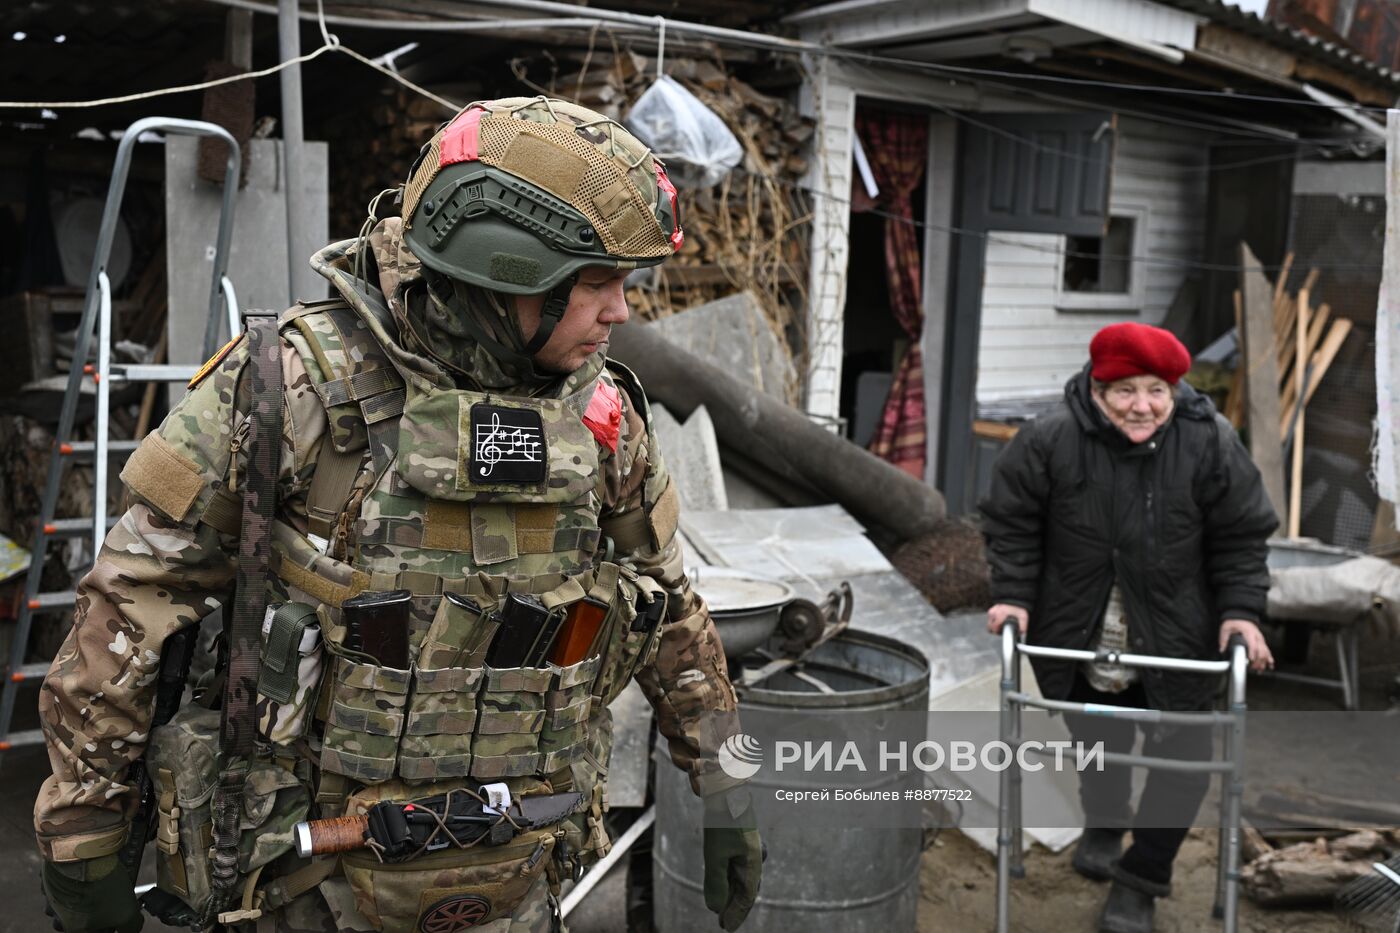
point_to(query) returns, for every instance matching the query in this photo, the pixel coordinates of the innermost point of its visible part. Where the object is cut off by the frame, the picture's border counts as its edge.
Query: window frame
(1135, 298)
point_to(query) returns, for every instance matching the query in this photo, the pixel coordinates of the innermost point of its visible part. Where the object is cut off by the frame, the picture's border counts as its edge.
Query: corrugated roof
(1285, 36)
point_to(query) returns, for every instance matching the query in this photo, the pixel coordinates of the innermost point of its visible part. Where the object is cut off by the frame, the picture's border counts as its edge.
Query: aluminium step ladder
(97, 316)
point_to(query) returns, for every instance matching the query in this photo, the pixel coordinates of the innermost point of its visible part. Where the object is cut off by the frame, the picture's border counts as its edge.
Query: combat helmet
(518, 194)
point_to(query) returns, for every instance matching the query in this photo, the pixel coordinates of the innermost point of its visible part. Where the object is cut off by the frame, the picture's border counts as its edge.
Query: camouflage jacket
(171, 559)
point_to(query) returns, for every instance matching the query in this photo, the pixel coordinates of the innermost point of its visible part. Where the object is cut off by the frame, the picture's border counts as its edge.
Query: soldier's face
(595, 305)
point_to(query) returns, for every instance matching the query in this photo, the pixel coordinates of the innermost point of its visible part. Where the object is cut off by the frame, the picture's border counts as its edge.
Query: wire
(793, 46)
(1080, 157)
(334, 45)
(992, 237)
(161, 92)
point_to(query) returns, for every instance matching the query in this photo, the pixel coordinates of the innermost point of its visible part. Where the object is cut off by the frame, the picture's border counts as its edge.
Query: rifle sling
(238, 726)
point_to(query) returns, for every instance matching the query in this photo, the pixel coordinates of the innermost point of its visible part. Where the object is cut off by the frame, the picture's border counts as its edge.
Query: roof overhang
(1177, 32)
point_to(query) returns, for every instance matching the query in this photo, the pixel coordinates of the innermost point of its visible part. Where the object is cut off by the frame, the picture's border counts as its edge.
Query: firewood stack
(750, 231)
(371, 155)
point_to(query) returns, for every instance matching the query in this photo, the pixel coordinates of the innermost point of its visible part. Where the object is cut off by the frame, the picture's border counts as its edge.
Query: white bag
(689, 137)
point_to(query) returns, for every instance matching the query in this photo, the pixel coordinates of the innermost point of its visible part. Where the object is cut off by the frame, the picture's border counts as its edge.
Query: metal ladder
(97, 314)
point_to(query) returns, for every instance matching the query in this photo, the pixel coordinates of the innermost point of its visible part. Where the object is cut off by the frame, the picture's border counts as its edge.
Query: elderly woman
(1131, 519)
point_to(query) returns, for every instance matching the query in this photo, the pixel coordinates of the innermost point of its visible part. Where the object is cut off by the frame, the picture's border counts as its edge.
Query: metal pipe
(1239, 671)
(1018, 869)
(235, 318)
(598, 871)
(289, 47)
(1124, 712)
(219, 287)
(559, 15)
(425, 25)
(1128, 660)
(1166, 764)
(1346, 111)
(1009, 630)
(104, 391)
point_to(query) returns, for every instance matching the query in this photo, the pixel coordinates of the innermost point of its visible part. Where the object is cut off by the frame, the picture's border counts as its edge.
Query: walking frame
(1230, 765)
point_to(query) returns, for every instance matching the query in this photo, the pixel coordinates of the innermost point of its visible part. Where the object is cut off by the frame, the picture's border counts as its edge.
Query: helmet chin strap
(552, 312)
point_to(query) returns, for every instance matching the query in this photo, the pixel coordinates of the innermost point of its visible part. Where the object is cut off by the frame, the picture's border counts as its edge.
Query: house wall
(1028, 347)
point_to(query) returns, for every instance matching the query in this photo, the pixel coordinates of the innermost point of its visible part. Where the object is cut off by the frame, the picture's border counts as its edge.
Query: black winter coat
(1179, 521)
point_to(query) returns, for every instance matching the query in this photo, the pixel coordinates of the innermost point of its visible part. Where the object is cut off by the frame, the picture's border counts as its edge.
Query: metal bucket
(855, 881)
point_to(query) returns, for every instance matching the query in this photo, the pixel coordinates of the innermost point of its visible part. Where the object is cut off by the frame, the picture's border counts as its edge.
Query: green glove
(733, 857)
(92, 896)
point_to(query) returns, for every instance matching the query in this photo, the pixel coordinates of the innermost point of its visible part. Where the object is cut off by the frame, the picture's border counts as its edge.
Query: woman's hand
(1260, 658)
(1001, 612)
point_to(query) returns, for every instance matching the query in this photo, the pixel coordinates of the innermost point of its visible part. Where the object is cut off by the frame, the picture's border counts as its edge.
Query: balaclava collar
(471, 332)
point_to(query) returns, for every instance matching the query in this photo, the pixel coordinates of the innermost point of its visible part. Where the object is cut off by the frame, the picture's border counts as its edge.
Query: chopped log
(1310, 872)
(1252, 843)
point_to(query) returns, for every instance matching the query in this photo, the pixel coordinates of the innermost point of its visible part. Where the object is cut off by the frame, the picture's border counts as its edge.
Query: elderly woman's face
(1137, 406)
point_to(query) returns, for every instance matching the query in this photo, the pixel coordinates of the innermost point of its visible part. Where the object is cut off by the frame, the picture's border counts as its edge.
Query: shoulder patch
(213, 361)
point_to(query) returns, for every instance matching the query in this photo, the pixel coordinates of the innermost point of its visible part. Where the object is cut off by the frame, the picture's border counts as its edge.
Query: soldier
(450, 427)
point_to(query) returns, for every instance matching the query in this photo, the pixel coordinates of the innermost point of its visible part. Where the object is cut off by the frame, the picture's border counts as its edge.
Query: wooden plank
(1317, 324)
(995, 430)
(1281, 283)
(1261, 375)
(1321, 362)
(1295, 475)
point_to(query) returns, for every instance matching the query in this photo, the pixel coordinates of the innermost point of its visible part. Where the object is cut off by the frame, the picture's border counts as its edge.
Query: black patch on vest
(507, 446)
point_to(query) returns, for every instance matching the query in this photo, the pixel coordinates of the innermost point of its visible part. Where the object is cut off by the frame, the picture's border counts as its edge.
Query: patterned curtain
(896, 145)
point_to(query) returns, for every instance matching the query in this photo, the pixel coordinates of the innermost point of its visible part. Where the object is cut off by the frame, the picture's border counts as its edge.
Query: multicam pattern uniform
(167, 564)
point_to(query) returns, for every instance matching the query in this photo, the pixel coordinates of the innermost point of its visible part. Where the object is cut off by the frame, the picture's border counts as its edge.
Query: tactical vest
(437, 490)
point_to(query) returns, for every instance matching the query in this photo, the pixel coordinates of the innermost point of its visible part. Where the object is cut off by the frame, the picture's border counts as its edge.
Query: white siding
(832, 102)
(829, 94)
(1028, 347)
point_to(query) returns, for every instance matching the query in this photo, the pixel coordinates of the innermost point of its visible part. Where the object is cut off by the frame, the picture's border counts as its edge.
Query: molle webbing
(447, 525)
(358, 386)
(331, 485)
(358, 383)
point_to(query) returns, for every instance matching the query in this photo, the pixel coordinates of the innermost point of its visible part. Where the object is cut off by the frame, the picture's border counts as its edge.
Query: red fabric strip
(604, 415)
(664, 183)
(459, 143)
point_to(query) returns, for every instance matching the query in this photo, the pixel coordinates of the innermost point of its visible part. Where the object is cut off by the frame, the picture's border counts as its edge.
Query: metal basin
(745, 607)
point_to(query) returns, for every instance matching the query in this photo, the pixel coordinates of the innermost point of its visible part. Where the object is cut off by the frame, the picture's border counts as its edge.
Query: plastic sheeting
(1338, 594)
(689, 137)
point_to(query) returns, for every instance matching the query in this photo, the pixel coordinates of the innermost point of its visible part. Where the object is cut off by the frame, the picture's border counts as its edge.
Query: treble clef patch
(507, 445)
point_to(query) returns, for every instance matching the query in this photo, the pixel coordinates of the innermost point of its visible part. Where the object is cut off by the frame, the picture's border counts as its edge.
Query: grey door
(1018, 172)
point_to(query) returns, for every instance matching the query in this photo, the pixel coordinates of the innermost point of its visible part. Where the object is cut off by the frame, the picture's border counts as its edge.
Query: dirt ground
(958, 879)
(957, 890)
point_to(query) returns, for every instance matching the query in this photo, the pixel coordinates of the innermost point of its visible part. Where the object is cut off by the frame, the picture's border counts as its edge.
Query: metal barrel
(855, 880)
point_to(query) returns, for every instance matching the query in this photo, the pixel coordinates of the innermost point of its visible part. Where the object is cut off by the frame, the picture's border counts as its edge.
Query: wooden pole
(1295, 476)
